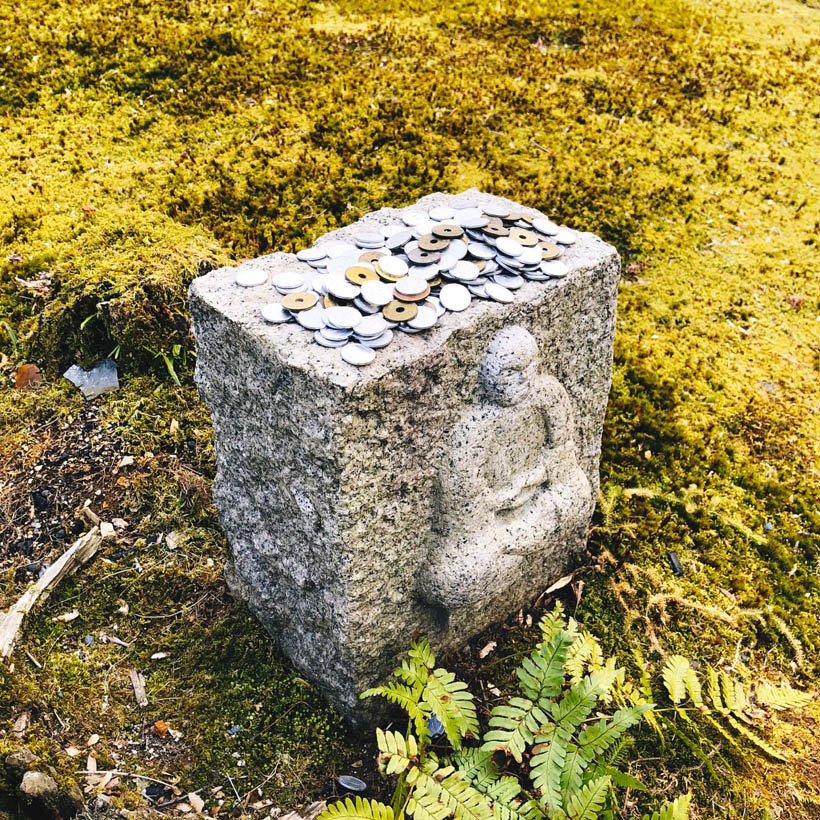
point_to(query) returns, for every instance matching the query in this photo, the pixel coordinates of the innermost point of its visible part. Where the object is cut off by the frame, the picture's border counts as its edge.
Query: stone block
(434, 491)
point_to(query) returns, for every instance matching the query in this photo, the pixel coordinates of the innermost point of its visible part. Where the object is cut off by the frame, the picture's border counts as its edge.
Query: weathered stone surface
(434, 491)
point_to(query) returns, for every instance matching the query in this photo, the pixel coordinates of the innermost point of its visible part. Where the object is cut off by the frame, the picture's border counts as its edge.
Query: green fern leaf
(452, 703)
(588, 802)
(573, 771)
(542, 674)
(714, 690)
(551, 622)
(418, 666)
(678, 809)
(547, 763)
(584, 651)
(597, 738)
(361, 809)
(447, 787)
(693, 687)
(781, 697)
(427, 807)
(674, 677)
(622, 779)
(755, 738)
(477, 767)
(576, 705)
(396, 753)
(400, 694)
(513, 727)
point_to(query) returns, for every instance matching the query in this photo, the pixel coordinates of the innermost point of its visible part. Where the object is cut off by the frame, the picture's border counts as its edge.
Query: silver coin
(379, 341)
(371, 326)
(455, 297)
(435, 303)
(480, 251)
(411, 285)
(368, 239)
(511, 281)
(365, 307)
(357, 354)
(342, 317)
(325, 342)
(336, 247)
(426, 272)
(313, 254)
(334, 334)
(275, 313)
(565, 237)
(392, 230)
(311, 319)
(319, 284)
(441, 213)
(340, 264)
(398, 240)
(530, 256)
(423, 228)
(499, 211)
(509, 247)
(425, 318)
(468, 219)
(555, 268)
(377, 293)
(413, 217)
(545, 226)
(352, 784)
(465, 271)
(393, 266)
(477, 290)
(499, 293)
(338, 286)
(287, 281)
(251, 277)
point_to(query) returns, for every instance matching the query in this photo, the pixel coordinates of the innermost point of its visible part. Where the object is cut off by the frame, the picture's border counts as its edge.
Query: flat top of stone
(293, 345)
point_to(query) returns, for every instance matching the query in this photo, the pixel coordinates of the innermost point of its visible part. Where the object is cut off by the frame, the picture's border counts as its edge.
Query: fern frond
(398, 693)
(584, 652)
(427, 807)
(588, 801)
(714, 690)
(513, 727)
(476, 766)
(674, 675)
(361, 809)
(693, 686)
(551, 622)
(678, 809)
(542, 674)
(547, 763)
(594, 740)
(576, 705)
(447, 787)
(755, 738)
(417, 667)
(781, 697)
(573, 771)
(396, 752)
(452, 703)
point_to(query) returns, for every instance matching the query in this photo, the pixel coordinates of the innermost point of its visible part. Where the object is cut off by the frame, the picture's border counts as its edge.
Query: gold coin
(526, 238)
(358, 275)
(299, 301)
(329, 301)
(372, 256)
(428, 242)
(414, 297)
(435, 281)
(549, 250)
(399, 311)
(447, 231)
(496, 230)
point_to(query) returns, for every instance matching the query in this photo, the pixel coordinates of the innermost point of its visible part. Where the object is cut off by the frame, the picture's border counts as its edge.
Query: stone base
(434, 491)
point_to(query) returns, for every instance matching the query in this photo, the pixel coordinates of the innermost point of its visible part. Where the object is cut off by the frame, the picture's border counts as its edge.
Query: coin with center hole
(496, 230)
(428, 242)
(523, 237)
(377, 293)
(445, 231)
(419, 257)
(359, 274)
(455, 297)
(275, 313)
(251, 277)
(400, 311)
(300, 301)
(549, 250)
(372, 256)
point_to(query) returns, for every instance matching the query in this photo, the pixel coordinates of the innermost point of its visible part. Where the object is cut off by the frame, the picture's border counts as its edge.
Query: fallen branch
(79, 553)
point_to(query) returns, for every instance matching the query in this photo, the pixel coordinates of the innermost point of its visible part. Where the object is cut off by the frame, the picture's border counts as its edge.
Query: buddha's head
(509, 366)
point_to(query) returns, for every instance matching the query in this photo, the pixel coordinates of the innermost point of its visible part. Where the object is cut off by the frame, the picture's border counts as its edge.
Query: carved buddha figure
(510, 489)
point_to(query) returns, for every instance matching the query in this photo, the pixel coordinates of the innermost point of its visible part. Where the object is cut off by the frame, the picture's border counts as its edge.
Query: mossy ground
(143, 142)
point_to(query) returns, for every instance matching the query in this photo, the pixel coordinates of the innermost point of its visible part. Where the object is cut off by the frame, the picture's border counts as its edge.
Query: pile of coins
(405, 277)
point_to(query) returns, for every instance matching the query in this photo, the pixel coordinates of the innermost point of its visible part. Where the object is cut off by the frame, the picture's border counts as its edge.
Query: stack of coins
(354, 295)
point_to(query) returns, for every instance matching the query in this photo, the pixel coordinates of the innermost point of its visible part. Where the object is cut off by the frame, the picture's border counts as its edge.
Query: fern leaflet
(588, 801)
(361, 809)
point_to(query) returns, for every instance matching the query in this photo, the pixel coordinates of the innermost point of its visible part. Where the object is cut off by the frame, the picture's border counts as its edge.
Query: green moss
(142, 143)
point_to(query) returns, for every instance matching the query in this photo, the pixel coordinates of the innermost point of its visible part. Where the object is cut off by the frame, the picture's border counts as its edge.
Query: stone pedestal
(434, 491)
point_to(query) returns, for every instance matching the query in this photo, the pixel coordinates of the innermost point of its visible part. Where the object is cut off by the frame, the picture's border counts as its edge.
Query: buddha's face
(509, 367)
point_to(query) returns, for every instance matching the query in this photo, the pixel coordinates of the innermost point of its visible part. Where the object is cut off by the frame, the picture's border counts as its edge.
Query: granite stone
(436, 490)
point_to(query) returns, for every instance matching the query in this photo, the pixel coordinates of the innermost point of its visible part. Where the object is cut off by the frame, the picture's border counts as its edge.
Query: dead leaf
(91, 764)
(126, 461)
(578, 589)
(93, 740)
(67, 616)
(27, 375)
(159, 729)
(487, 649)
(138, 684)
(172, 540)
(158, 656)
(559, 584)
(21, 724)
(72, 751)
(197, 803)
(173, 427)
(89, 209)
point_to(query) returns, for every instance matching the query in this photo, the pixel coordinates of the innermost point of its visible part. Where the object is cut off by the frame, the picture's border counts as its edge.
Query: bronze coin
(399, 311)
(435, 282)
(419, 257)
(428, 242)
(448, 231)
(496, 230)
(372, 256)
(413, 297)
(549, 250)
(299, 301)
(526, 238)
(358, 275)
